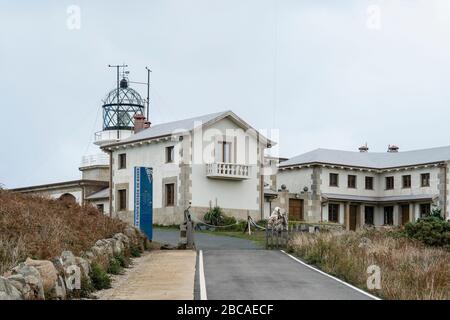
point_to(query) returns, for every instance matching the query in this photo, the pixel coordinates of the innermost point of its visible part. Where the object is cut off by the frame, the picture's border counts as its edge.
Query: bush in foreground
(409, 269)
(32, 226)
(100, 279)
(432, 230)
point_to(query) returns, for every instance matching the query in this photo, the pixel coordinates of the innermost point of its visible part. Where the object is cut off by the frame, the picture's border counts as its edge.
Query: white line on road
(330, 276)
(201, 274)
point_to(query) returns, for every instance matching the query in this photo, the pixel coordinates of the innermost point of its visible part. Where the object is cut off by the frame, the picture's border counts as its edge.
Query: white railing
(227, 171)
(100, 159)
(108, 136)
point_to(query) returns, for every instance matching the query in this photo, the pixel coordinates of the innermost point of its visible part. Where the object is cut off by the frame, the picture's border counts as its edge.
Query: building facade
(365, 188)
(207, 161)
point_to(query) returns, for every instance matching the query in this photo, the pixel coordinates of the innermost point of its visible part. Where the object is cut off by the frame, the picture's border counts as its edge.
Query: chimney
(392, 148)
(139, 123)
(364, 148)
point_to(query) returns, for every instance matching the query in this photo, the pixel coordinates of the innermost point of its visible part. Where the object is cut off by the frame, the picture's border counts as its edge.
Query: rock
(48, 273)
(116, 245)
(32, 278)
(60, 290)
(123, 239)
(19, 282)
(67, 258)
(84, 266)
(8, 291)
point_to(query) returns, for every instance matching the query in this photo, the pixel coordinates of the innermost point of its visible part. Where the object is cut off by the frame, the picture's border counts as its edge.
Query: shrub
(432, 230)
(100, 279)
(87, 288)
(123, 261)
(214, 216)
(114, 266)
(135, 251)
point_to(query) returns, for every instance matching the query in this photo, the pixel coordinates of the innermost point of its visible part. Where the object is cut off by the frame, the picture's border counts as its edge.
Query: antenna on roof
(148, 91)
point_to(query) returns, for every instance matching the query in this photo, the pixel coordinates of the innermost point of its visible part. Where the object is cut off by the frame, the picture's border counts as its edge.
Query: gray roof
(179, 127)
(379, 199)
(102, 194)
(375, 160)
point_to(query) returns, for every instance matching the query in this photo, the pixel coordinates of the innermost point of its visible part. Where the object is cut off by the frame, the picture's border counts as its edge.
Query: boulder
(123, 239)
(32, 279)
(84, 265)
(68, 258)
(48, 273)
(116, 245)
(8, 291)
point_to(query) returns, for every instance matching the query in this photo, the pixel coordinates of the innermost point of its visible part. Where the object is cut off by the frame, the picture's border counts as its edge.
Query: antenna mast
(148, 91)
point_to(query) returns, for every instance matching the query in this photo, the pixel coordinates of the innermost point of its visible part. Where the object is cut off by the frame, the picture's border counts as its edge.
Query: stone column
(347, 215)
(396, 215)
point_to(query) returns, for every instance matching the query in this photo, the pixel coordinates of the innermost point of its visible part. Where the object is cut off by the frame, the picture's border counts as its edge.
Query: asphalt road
(237, 269)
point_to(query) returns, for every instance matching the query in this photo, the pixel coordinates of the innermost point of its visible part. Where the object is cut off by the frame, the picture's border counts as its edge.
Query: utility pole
(117, 91)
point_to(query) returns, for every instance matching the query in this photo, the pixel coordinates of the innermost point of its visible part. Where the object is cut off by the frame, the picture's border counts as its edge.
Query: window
(333, 212)
(406, 181)
(389, 216)
(122, 161)
(225, 152)
(389, 183)
(425, 179)
(424, 210)
(369, 183)
(170, 194)
(368, 215)
(122, 198)
(351, 182)
(101, 208)
(334, 179)
(170, 154)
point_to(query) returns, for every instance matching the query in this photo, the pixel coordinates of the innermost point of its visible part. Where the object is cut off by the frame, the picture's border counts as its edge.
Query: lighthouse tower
(120, 108)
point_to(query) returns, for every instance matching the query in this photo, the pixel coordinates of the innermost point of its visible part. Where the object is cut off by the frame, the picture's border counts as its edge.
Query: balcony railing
(100, 159)
(227, 171)
(110, 136)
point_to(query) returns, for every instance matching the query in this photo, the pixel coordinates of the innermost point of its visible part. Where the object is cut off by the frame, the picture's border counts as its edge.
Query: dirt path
(156, 275)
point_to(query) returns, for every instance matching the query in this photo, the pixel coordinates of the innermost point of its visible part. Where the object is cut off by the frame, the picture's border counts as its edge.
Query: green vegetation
(100, 279)
(432, 230)
(135, 251)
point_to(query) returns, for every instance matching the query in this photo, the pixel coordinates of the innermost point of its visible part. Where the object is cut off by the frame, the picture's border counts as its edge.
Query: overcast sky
(330, 74)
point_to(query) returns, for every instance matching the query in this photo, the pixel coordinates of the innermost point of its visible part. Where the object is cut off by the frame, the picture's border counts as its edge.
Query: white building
(215, 159)
(357, 188)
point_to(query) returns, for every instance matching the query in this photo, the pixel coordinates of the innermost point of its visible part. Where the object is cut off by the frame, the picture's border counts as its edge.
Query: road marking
(330, 276)
(201, 274)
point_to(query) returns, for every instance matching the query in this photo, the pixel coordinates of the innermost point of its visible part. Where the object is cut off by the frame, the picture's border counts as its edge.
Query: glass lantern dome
(120, 106)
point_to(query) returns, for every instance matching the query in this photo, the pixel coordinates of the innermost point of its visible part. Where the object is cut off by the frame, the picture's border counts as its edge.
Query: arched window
(68, 198)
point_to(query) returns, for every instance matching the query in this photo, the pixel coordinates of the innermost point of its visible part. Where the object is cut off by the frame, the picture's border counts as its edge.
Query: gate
(143, 200)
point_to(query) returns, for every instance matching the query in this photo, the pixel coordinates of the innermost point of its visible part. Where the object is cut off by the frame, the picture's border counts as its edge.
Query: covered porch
(355, 212)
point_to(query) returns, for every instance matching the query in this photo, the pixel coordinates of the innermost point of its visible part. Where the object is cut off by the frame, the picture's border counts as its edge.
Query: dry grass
(40, 228)
(409, 270)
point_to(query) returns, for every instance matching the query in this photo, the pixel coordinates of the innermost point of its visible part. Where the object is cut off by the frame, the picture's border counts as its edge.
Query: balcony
(100, 159)
(230, 171)
(110, 136)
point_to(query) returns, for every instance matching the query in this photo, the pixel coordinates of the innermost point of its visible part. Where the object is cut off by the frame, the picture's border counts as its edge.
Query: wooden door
(353, 217)
(296, 209)
(405, 214)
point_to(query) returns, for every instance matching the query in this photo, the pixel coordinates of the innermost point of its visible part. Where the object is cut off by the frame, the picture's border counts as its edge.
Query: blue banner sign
(143, 200)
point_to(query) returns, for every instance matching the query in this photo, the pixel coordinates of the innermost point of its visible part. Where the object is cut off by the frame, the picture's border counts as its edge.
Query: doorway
(296, 210)
(353, 218)
(405, 214)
